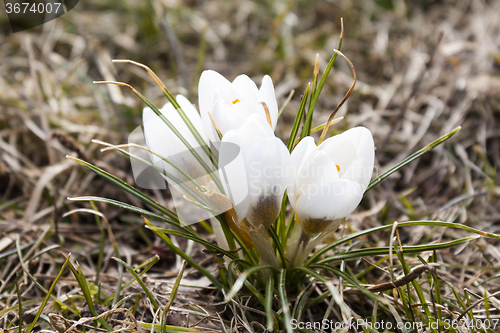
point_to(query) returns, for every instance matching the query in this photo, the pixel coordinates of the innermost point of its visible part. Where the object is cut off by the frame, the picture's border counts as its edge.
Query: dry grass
(423, 69)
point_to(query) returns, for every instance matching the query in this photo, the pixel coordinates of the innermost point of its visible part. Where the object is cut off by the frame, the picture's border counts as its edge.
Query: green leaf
(80, 278)
(46, 299)
(317, 91)
(186, 257)
(205, 166)
(269, 303)
(385, 250)
(125, 186)
(352, 236)
(298, 119)
(139, 280)
(198, 239)
(284, 301)
(238, 284)
(174, 103)
(411, 158)
(128, 207)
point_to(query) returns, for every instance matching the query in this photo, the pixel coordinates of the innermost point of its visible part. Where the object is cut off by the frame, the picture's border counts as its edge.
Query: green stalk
(411, 158)
(314, 98)
(46, 299)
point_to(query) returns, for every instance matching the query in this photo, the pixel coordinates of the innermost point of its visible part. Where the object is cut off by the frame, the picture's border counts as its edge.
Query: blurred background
(423, 68)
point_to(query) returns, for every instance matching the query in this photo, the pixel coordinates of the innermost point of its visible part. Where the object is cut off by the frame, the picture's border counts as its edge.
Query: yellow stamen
(236, 101)
(338, 167)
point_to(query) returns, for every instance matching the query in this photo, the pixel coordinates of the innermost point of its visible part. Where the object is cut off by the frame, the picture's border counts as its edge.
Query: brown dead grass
(423, 69)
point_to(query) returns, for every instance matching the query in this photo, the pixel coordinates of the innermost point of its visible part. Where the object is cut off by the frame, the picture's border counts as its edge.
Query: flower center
(236, 101)
(338, 167)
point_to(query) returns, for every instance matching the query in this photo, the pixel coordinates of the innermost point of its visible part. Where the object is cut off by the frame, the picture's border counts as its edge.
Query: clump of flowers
(270, 204)
(325, 183)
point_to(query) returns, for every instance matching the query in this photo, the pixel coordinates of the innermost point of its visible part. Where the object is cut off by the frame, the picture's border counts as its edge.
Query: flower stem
(263, 245)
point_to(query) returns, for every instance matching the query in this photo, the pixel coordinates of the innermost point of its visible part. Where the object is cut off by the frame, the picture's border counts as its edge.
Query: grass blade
(199, 240)
(128, 207)
(385, 250)
(298, 119)
(411, 158)
(269, 303)
(176, 105)
(284, 301)
(46, 299)
(183, 255)
(20, 301)
(352, 236)
(172, 297)
(238, 284)
(314, 97)
(139, 280)
(82, 282)
(127, 187)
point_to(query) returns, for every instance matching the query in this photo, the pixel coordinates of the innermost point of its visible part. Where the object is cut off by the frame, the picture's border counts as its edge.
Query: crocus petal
(263, 178)
(210, 83)
(341, 150)
(360, 171)
(299, 154)
(365, 147)
(354, 152)
(163, 141)
(267, 179)
(335, 200)
(255, 127)
(193, 115)
(268, 96)
(230, 104)
(246, 90)
(316, 171)
(224, 116)
(233, 174)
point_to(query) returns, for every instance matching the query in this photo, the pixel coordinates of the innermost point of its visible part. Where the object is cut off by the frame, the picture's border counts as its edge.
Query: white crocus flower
(255, 178)
(330, 179)
(163, 141)
(231, 103)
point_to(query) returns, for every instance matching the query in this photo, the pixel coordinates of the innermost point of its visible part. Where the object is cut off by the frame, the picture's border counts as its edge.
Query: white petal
(335, 200)
(268, 178)
(193, 115)
(254, 129)
(360, 171)
(316, 171)
(210, 83)
(363, 140)
(365, 147)
(163, 141)
(268, 96)
(233, 174)
(341, 150)
(245, 89)
(354, 152)
(225, 119)
(299, 154)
